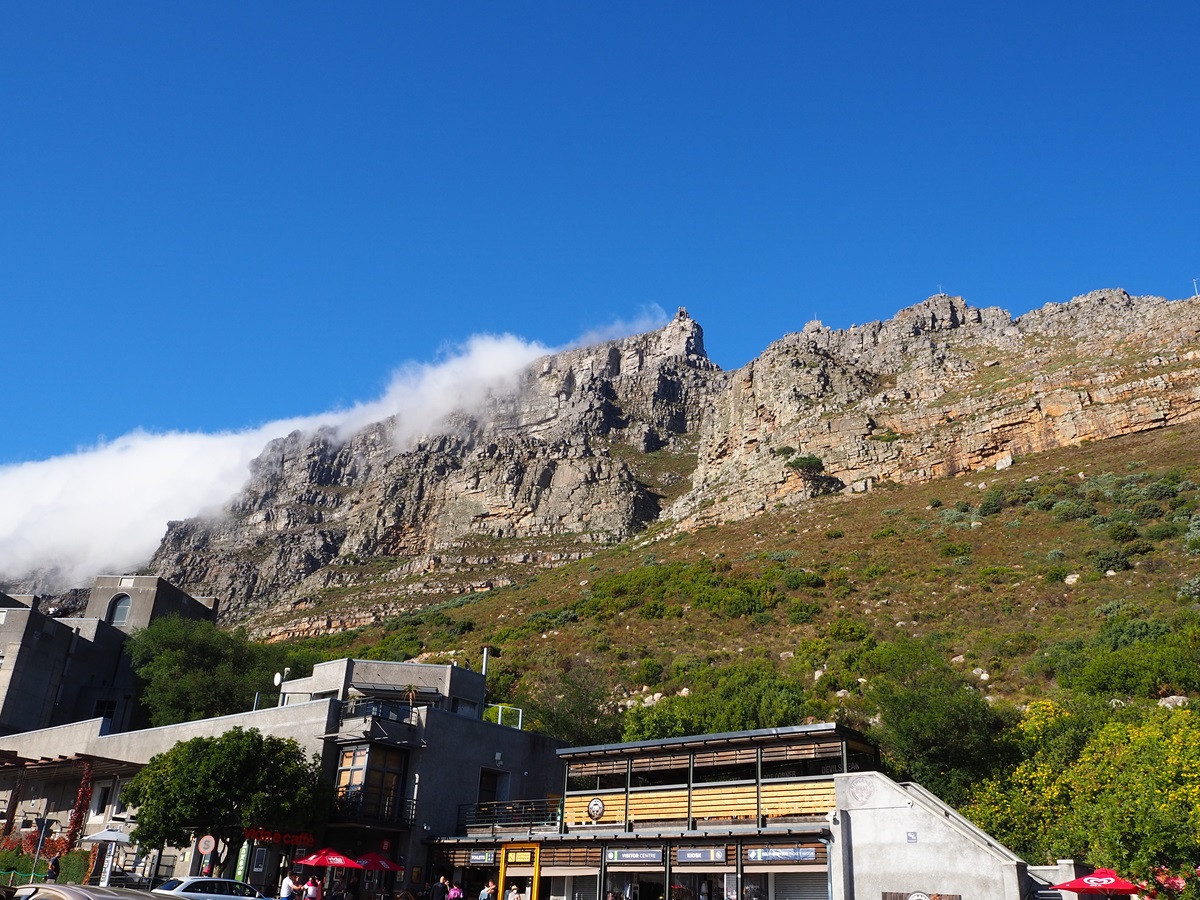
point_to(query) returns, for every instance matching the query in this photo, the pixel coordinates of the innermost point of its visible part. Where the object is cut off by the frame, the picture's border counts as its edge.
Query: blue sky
(217, 215)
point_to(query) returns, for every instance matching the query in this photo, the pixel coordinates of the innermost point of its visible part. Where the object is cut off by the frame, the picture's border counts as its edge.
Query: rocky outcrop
(543, 474)
(943, 388)
(533, 464)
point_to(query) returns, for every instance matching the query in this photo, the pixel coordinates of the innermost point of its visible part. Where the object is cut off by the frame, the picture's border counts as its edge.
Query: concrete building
(406, 744)
(55, 671)
(778, 814)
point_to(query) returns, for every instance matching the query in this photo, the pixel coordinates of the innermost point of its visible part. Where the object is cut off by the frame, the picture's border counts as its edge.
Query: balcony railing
(385, 710)
(510, 816)
(374, 807)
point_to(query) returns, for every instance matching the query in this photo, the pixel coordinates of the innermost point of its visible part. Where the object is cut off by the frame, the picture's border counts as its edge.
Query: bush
(1070, 510)
(801, 612)
(809, 465)
(1148, 509)
(796, 580)
(954, 550)
(1122, 532)
(1163, 531)
(993, 502)
(962, 506)
(1190, 589)
(1114, 559)
(847, 630)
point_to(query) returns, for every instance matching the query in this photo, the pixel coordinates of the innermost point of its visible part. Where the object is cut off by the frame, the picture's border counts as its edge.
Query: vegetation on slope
(1000, 635)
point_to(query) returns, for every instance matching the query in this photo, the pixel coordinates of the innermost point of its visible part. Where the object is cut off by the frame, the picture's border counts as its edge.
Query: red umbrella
(327, 857)
(1102, 881)
(373, 860)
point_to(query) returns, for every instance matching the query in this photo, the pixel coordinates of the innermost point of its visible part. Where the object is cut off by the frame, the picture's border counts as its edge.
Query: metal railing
(374, 807)
(542, 815)
(387, 710)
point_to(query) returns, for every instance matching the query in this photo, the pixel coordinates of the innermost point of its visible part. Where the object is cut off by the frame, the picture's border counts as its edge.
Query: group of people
(445, 889)
(314, 889)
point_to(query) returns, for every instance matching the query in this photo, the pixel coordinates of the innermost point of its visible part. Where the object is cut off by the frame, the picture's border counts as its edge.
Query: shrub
(1056, 555)
(1162, 531)
(954, 550)
(1055, 573)
(993, 502)
(1122, 532)
(1113, 559)
(935, 503)
(962, 506)
(1069, 510)
(884, 533)
(796, 580)
(1148, 509)
(847, 630)
(1160, 490)
(809, 465)
(834, 533)
(801, 612)
(1190, 589)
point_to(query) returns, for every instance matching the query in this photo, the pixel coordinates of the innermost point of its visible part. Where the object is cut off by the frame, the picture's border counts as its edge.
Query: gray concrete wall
(892, 837)
(152, 597)
(306, 722)
(456, 750)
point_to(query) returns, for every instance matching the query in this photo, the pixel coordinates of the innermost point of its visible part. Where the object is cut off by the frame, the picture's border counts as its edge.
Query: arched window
(118, 610)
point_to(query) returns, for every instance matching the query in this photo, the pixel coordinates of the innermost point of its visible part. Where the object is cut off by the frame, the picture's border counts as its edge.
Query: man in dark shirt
(440, 890)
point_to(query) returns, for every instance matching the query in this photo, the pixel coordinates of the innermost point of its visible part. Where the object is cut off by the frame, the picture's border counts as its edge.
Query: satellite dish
(278, 679)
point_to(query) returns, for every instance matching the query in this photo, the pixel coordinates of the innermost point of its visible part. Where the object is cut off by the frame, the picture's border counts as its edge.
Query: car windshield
(169, 885)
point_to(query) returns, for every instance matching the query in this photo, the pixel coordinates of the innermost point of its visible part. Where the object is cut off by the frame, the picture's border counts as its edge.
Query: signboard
(483, 857)
(782, 854)
(634, 856)
(207, 844)
(518, 857)
(700, 854)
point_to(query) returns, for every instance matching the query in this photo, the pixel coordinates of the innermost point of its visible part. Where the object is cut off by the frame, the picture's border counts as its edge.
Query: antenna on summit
(1195, 290)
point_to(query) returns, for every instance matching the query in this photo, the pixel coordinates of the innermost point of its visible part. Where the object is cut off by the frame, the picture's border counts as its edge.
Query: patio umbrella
(378, 862)
(108, 834)
(1102, 881)
(328, 857)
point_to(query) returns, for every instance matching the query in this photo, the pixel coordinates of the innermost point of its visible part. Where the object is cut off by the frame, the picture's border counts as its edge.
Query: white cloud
(104, 509)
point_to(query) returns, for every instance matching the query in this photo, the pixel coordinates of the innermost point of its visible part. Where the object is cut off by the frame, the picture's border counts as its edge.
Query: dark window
(118, 610)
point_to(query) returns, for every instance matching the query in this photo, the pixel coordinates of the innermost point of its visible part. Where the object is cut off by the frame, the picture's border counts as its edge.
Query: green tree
(741, 696)
(577, 706)
(222, 785)
(193, 670)
(934, 727)
(1128, 796)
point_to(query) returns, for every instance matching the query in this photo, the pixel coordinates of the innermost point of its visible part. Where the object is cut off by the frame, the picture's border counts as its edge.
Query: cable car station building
(797, 813)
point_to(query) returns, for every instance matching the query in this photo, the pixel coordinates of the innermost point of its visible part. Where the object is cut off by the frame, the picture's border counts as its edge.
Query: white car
(204, 887)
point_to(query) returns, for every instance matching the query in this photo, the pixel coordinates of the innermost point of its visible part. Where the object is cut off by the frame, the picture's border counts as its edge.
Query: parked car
(78, 892)
(204, 887)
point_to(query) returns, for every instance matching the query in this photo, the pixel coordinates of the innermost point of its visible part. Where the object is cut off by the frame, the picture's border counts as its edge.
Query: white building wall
(889, 837)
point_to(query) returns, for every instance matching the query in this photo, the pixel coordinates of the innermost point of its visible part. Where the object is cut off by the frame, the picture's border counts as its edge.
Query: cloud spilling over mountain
(105, 508)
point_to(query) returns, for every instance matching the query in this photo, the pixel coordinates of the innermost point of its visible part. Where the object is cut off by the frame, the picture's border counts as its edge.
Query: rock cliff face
(943, 388)
(534, 464)
(548, 472)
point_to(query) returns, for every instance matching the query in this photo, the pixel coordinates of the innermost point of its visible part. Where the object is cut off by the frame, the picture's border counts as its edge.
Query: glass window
(118, 610)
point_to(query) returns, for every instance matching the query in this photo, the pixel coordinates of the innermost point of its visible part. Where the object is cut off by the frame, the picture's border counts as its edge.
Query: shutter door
(801, 886)
(583, 887)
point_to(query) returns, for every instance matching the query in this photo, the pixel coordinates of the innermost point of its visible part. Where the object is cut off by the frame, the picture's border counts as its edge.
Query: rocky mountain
(533, 464)
(570, 459)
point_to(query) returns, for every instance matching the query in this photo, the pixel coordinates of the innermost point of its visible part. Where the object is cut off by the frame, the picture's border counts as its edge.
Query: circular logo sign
(595, 807)
(207, 844)
(1101, 881)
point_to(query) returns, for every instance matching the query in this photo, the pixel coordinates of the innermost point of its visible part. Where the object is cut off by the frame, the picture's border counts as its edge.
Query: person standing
(440, 889)
(489, 891)
(513, 893)
(52, 868)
